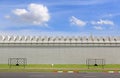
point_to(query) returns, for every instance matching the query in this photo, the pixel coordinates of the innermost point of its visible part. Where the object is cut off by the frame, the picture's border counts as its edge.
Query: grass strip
(56, 67)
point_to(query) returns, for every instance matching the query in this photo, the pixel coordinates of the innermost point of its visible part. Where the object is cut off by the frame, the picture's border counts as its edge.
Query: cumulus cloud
(20, 12)
(103, 22)
(35, 14)
(77, 22)
(98, 27)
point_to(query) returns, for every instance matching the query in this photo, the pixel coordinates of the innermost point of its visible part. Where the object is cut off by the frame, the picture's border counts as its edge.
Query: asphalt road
(59, 75)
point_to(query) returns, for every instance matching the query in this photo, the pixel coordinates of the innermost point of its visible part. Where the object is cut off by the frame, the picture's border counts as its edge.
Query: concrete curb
(111, 71)
(59, 71)
(114, 71)
(70, 71)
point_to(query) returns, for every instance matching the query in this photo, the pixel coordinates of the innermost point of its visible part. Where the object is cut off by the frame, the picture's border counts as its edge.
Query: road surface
(59, 75)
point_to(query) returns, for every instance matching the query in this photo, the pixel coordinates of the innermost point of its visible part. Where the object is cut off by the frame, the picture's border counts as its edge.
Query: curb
(113, 71)
(61, 71)
(70, 72)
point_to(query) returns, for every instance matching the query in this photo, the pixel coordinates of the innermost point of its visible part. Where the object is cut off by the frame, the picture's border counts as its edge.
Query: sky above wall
(60, 17)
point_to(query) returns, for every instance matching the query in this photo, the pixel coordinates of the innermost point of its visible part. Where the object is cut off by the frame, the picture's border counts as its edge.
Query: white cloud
(98, 27)
(111, 15)
(35, 14)
(7, 17)
(103, 22)
(33, 32)
(77, 22)
(78, 2)
(20, 12)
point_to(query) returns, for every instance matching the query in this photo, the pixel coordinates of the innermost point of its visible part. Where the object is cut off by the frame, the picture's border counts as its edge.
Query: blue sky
(60, 17)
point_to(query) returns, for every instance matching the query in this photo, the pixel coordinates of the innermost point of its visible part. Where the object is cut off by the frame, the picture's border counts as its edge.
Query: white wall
(60, 55)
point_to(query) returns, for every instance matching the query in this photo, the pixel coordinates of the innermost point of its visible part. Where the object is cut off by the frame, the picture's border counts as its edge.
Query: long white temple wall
(60, 55)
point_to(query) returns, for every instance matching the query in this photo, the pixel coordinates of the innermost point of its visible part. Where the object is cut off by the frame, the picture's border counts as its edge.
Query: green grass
(5, 66)
(64, 67)
(69, 66)
(112, 66)
(61, 66)
(47, 66)
(39, 66)
(26, 70)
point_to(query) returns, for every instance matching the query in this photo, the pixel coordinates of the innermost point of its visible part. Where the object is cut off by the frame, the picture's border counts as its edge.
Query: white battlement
(58, 39)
